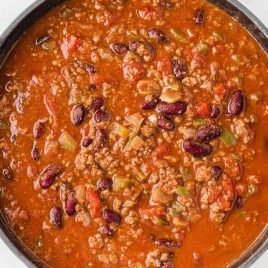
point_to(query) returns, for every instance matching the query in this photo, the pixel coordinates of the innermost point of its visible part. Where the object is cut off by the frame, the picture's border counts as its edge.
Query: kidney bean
(167, 264)
(100, 116)
(216, 172)
(119, 48)
(165, 123)
(176, 108)
(159, 35)
(70, 204)
(105, 184)
(35, 153)
(179, 69)
(166, 4)
(149, 104)
(86, 141)
(42, 40)
(106, 230)
(8, 173)
(38, 130)
(209, 133)
(239, 203)
(199, 17)
(97, 103)
(215, 112)
(197, 148)
(89, 68)
(49, 174)
(78, 114)
(56, 217)
(167, 243)
(236, 103)
(111, 216)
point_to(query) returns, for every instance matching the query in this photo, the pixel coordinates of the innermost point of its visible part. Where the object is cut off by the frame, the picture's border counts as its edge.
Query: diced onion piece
(228, 138)
(181, 190)
(136, 143)
(120, 182)
(67, 142)
(179, 36)
(153, 119)
(136, 120)
(170, 96)
(121, 130)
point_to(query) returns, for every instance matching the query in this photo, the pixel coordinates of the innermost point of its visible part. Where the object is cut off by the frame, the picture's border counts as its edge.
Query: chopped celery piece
(181, 190)
(227, 138)
(67, 142)
(139, 174)
(160, 220)
(120, 182)
(170, 96)
(201, 48)
(185, 173)
(121, 130)
(199, 122)
(179, 36)
(67, 13)
(219, 35)
(3, 125)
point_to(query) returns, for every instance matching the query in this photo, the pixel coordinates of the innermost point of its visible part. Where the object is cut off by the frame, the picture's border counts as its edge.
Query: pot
(41, 7)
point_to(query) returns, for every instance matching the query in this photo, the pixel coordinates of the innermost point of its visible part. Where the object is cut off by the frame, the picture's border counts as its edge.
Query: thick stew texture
(134, 134)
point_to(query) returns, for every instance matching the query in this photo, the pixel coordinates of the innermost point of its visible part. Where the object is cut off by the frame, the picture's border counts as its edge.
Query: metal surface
(38, 9)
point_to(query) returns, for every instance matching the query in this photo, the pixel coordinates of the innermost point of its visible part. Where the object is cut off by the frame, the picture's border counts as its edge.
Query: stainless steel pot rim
(13, 33)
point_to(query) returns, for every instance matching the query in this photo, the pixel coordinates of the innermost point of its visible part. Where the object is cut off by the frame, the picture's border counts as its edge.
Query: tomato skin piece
(95, 203)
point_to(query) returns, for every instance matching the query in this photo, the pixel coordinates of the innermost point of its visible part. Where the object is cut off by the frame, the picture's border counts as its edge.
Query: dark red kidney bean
(236, 103)
(149, 104)
(48, 175)
(119, 48)
(101, 139)
(166, 4)
(8, 173)
(90, 68)
(199, 17)
(105, 184)
(42, 39)
(56, 217)
(78, 114)
(106, 230)
(179, 69)
(111, 216)
(239, 203)
(35, 153)
(176, 108)
(92, 87)
(166, 123)
(209, 133)
(100, 116)
(38, 130)
(167, 243)
(197, 148)
(167, 264)
(159, 35)
(70, 204)
(216, 172)
(97, 103)
(86, 141)
(215, 112)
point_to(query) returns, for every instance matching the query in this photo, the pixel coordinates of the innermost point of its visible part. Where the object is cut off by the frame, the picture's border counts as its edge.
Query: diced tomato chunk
(160, 151)
(95, 203)
(203, 109)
